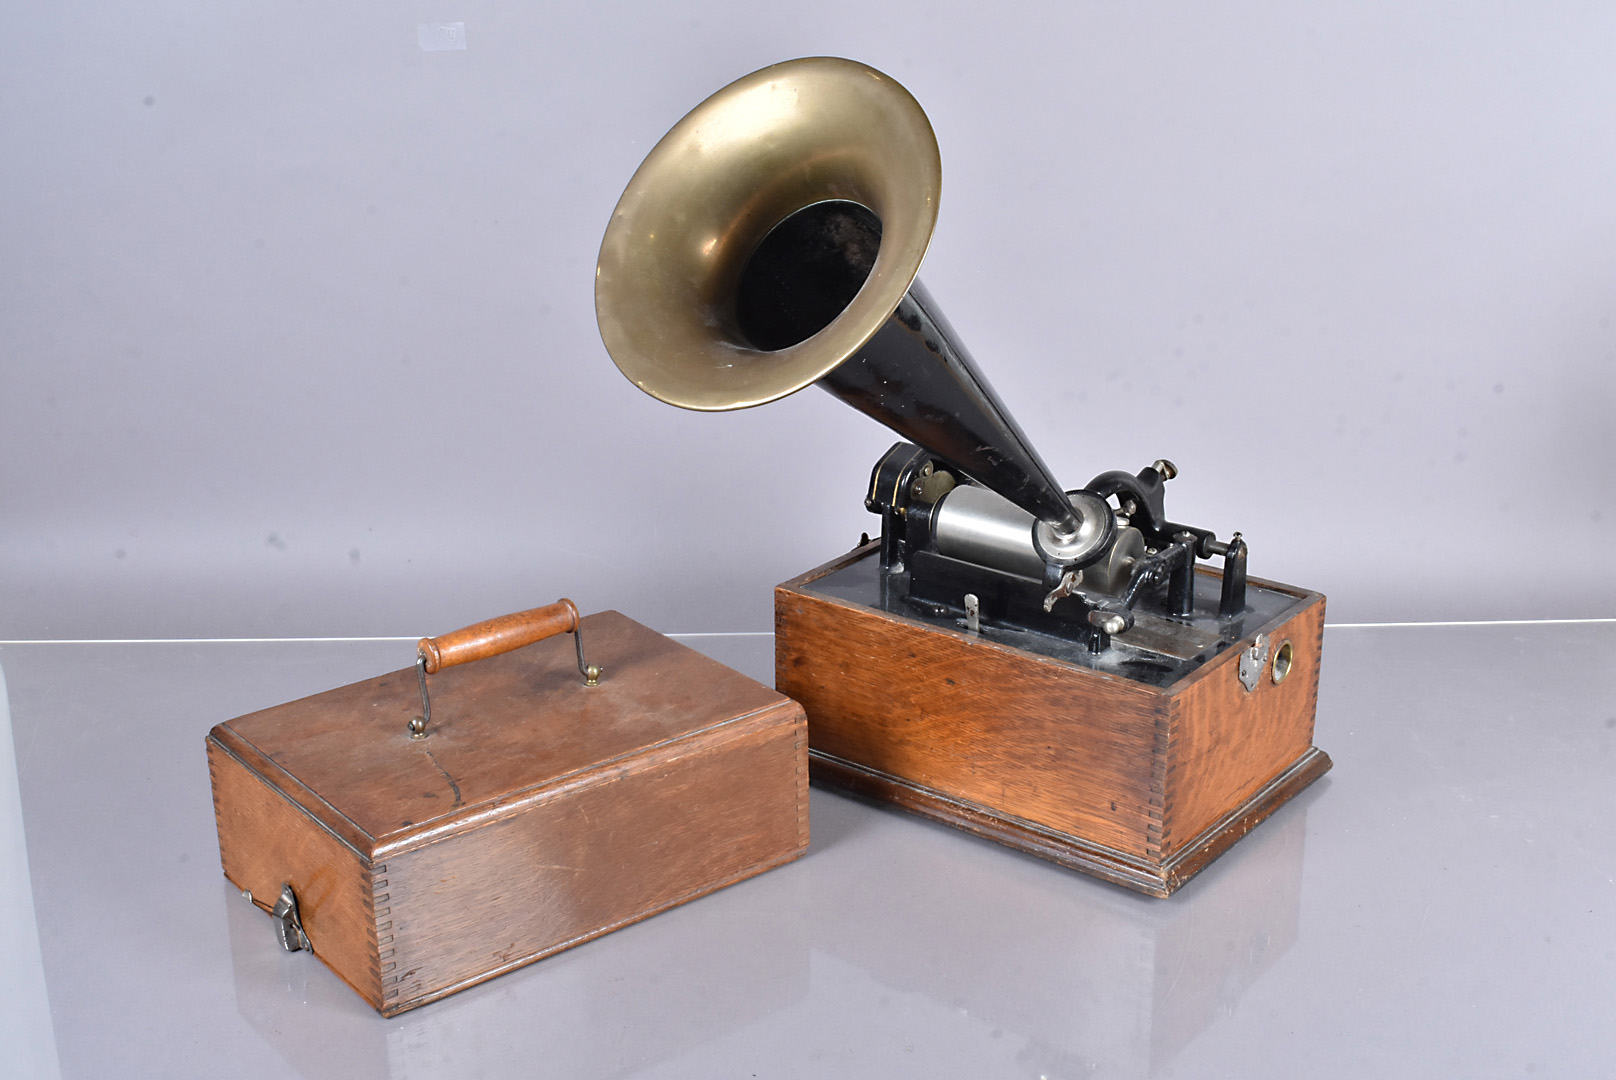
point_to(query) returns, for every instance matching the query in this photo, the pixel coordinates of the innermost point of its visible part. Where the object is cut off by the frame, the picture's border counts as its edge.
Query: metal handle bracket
(491, 638)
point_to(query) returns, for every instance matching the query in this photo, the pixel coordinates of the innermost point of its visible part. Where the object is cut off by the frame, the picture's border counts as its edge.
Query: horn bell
(789, 136)
(771, 240)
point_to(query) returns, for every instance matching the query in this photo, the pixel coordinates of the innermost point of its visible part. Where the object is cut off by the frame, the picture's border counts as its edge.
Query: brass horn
(771, 239)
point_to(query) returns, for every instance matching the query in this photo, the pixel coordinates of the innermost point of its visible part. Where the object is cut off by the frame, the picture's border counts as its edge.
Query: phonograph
(1067, 671)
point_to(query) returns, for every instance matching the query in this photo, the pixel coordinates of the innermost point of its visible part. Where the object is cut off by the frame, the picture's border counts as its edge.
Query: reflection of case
(603, 1011)
(537, 813)
(1072, 981)
(1141, 778)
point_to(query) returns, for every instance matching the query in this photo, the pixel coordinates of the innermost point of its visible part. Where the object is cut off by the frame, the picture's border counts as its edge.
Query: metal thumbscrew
(1108, 621)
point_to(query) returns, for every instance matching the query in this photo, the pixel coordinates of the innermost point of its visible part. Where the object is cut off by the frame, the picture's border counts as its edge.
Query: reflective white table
(1442, 904)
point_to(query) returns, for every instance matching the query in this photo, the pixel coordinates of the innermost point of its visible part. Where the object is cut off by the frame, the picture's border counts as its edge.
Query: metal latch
(1252, 661)
(288, 924)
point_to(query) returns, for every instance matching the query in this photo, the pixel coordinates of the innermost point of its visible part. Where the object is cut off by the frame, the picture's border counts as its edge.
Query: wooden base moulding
(1138, 784)
(537, 813)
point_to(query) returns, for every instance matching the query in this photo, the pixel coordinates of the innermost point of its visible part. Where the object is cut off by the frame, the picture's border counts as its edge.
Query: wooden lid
(501, 727)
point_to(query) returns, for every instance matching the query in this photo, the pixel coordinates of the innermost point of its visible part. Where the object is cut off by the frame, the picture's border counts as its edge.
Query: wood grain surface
(499, 727)
(577, 862)
(1139, 784)
(1158, 878)
(1225, 742)
(266, 840)
(540, 814)
(975, 720)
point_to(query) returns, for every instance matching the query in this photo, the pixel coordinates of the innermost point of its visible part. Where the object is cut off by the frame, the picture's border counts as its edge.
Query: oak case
(1141, 785)
(537, 814)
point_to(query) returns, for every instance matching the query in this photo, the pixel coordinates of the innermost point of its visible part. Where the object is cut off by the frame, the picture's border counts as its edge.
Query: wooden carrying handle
(501, 635)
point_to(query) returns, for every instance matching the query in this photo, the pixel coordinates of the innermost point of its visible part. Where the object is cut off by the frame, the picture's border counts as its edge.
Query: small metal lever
(1068, 585)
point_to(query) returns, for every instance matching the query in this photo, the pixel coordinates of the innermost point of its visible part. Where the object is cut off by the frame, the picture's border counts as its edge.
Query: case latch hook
(288, 924)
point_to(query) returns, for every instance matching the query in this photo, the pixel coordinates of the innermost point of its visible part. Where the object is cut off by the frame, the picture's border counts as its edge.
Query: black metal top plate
(1158, 651)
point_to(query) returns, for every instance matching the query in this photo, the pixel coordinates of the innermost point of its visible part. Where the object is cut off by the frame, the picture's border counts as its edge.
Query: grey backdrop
(297, 325)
